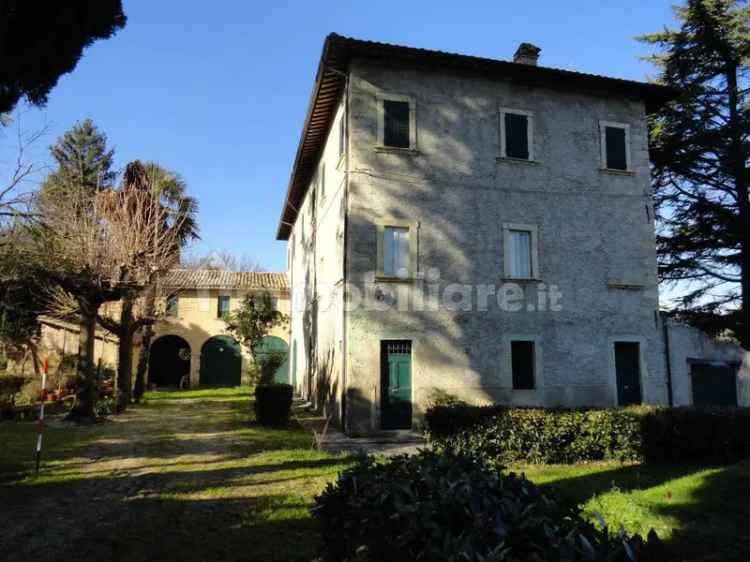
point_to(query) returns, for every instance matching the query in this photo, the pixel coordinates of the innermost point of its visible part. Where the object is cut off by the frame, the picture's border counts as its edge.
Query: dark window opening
(616, 148)
(342, 135)
(172, 305)
(522, 364)
(223, 307)
(396, 124)
(517, 136)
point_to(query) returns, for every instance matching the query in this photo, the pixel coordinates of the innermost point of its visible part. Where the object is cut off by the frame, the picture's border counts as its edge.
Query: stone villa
(480, 228)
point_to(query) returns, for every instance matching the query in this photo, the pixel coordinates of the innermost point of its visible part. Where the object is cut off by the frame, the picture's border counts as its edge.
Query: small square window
(396, 252)
(522, 364)
(516, 134)
(615, 150)
(223, 306)
(172, 308)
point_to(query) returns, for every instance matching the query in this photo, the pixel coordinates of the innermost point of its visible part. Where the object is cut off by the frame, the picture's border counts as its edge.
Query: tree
(251, 323)
(83, 161)
(699, 150)
(42, 40)
(221, 260)
(97, 247)
(182, 210)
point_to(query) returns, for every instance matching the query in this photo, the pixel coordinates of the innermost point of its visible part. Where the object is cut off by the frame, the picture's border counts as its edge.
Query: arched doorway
(273, 344)
(221, 362)
(169, 361)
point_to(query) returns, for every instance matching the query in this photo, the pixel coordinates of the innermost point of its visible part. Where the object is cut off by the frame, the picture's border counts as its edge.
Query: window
(516, 134)
(172, 306)
(223, 306)
(342, 134)
(615, 140)
(522, 364)
(322, 181)
(396, 252)
(396, 122)
(520, 246)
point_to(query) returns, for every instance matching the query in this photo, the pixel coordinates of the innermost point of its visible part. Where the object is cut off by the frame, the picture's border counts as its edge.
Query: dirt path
(177, 480)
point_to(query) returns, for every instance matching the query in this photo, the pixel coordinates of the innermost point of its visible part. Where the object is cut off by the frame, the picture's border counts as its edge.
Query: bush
(436, 507)
(497, 435)
(10, 386)
(273, 404)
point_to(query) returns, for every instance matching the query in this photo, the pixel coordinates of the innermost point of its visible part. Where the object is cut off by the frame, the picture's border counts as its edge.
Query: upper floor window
(396, 122)
(322, 180)
(223, 306)
(396, 248)
(516, 134)
(615, 145)
(172, 307)
(520, 251)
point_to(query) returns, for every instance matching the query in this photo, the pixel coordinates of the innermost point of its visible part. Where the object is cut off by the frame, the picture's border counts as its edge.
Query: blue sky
(217, 91)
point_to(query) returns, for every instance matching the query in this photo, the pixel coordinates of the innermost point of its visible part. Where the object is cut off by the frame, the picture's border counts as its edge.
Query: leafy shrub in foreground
(435, 507)
(273, 404)
(498, 435)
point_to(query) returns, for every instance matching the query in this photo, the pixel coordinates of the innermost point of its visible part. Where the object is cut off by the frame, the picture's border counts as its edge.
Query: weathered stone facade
(593, 239)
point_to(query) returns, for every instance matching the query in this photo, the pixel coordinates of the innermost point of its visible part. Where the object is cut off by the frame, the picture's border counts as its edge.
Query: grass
(701, 513)
(187, 477)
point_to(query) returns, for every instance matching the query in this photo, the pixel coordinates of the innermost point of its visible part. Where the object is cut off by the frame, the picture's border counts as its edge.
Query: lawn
(186, 476)
(701, 513)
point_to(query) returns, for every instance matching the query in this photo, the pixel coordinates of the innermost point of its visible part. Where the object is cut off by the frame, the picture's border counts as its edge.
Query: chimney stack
(527, 54)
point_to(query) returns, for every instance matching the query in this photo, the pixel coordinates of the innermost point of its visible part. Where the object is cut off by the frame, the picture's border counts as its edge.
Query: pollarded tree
(700, 151)
(98, 246)
(42, 40)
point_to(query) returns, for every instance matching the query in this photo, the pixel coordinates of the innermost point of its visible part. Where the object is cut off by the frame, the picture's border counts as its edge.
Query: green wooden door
(273, 345)
(395, 408)
(221, 362)
(628, 372)
(713, 385)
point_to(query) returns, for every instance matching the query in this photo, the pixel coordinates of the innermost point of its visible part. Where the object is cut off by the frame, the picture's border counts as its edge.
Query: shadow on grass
(708, 507)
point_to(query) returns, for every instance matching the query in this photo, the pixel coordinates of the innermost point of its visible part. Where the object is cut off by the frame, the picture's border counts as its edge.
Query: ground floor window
(523, 364)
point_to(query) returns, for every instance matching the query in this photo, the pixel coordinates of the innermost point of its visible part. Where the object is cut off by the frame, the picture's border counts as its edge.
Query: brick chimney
(527, 54)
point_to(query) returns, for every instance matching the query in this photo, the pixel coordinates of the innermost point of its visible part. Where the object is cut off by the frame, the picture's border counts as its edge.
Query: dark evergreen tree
(40, 40)
(700, 150)
(83, 159)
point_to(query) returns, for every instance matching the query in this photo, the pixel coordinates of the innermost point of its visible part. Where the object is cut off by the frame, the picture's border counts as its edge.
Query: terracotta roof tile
(215, 279)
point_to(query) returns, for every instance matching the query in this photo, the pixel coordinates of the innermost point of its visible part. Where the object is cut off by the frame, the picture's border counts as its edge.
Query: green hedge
(273, 404)
(498, 435)
(437, 508)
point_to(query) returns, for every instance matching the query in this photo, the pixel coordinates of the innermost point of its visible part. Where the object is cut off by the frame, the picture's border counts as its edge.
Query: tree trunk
(86, 383)
(148, 333)
(125, 354)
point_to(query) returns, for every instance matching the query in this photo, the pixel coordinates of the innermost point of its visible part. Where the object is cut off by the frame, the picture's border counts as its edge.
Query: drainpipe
(667, 357)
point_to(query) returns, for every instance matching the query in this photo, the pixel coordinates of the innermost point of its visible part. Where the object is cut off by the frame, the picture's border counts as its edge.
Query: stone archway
(169, 361)
(221, 362)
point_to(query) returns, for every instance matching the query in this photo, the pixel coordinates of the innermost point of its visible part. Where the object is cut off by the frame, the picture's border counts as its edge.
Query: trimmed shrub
(444, 508)
(505, 435)
(273, 404)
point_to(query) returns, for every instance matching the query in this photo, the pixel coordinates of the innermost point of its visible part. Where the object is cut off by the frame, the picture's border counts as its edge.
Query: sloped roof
(329, 83)
(214, 279)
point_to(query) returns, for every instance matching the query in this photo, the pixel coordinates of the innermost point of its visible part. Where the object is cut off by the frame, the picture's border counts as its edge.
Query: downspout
(668, 358)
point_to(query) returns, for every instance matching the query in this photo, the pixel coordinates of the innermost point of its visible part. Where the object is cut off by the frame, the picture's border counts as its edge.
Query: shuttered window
(520, 254)
(516, 136)
(522, 364)
(396, 252)
(223, 306)
(396, 124)
(616, 148)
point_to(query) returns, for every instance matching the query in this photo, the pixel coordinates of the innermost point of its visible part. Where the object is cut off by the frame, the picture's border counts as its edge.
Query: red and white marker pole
(40, 422)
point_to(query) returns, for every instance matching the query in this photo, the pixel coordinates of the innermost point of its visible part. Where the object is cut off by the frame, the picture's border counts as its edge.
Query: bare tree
(100, 246)
(221, 260)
